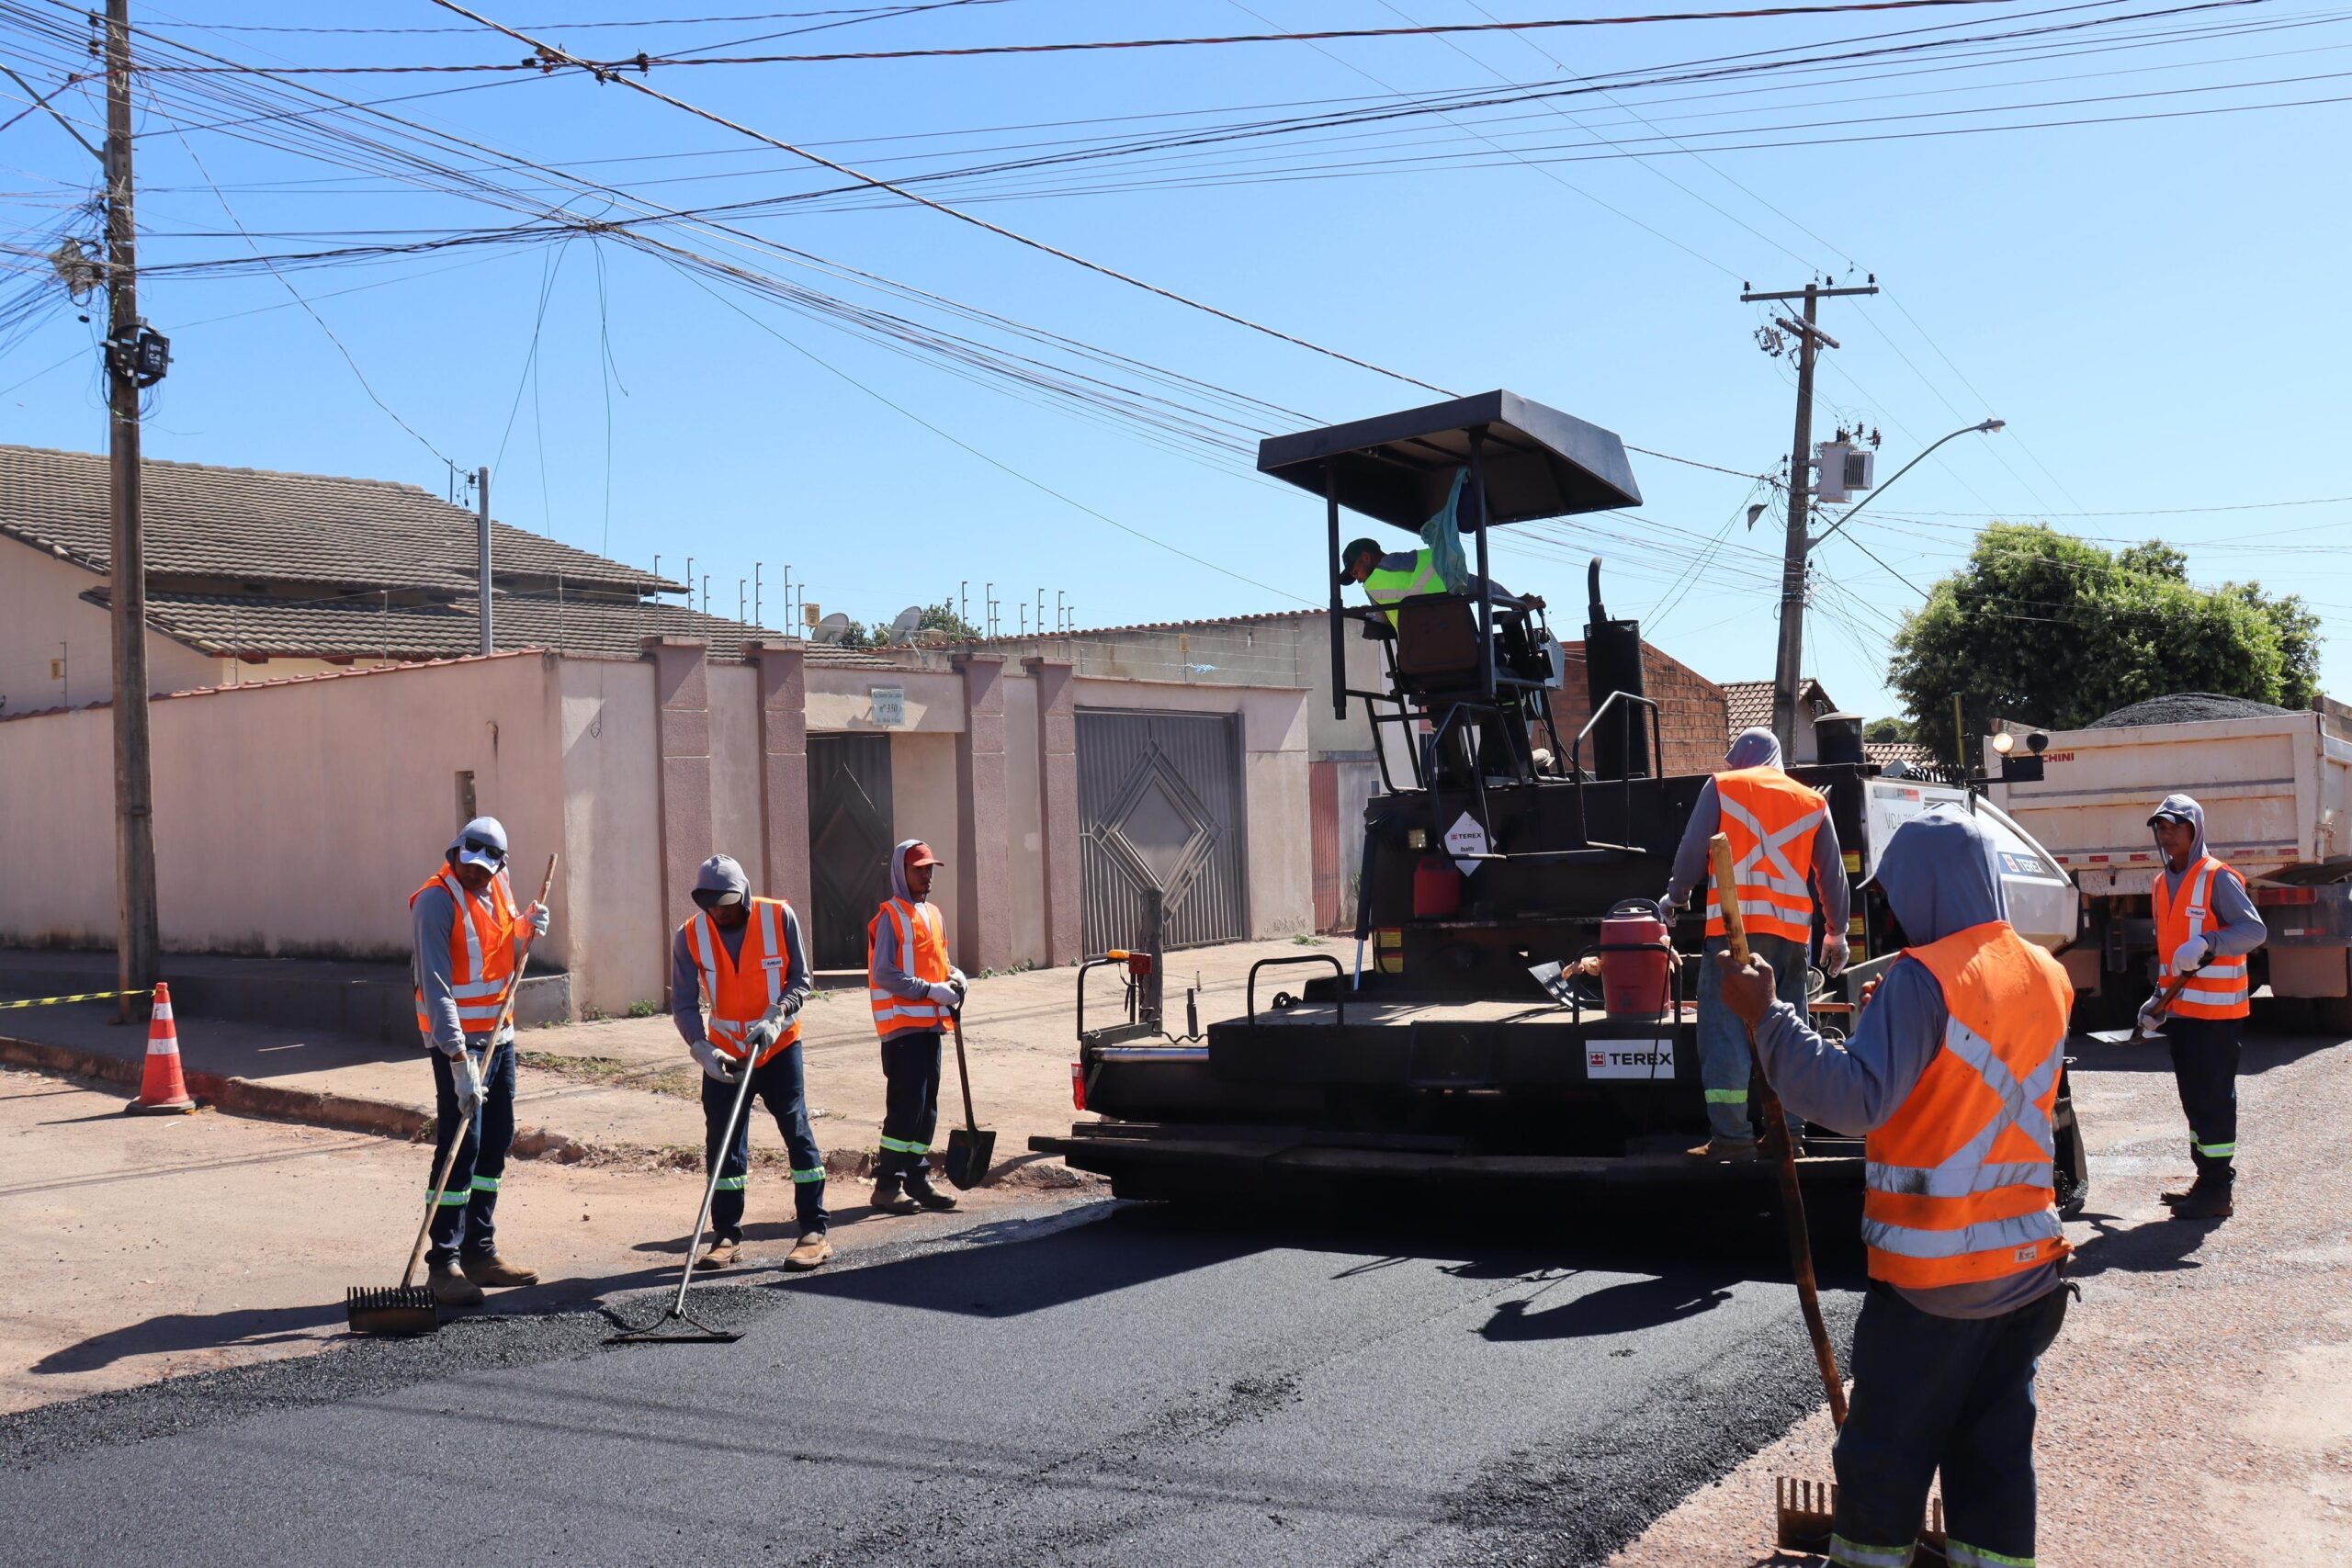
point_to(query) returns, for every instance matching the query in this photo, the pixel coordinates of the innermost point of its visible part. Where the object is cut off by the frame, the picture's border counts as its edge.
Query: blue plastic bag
(1442, 535)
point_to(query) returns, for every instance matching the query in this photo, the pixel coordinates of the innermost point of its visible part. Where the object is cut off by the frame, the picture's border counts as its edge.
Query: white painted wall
(1024, 820)
(922, 806)
(735, 766)
(43, 617)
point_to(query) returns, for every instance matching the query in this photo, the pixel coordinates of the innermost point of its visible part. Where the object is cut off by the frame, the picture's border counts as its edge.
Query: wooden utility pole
(137, 941)
(1787, 668)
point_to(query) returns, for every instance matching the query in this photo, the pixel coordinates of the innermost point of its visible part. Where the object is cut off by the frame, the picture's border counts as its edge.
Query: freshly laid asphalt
(1105, 1383)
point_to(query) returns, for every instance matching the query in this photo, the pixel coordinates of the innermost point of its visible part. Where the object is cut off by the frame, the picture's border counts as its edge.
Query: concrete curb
(350, 1113)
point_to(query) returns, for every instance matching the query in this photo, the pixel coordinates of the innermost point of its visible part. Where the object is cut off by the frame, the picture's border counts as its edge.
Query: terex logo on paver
(1629, 1059)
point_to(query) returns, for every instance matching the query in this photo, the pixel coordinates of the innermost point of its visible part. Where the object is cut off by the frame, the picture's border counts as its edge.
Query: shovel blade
(2123, 1036)
(971, 1153)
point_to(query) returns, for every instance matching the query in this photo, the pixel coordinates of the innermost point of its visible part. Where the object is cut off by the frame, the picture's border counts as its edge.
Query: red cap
(918, 853)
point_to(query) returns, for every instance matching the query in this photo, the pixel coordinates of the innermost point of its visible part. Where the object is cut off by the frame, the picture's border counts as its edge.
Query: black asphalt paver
(1111, 1384)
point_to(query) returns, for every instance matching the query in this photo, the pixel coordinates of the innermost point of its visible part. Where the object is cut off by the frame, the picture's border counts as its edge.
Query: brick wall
(1692, 712)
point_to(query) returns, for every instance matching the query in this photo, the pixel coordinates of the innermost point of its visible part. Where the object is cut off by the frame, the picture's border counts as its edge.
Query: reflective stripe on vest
(479, 960)
(1958, 1182)
(735, 1005)
(2220, 989)
(1770, 820)
(923, 955)
(1388, 587)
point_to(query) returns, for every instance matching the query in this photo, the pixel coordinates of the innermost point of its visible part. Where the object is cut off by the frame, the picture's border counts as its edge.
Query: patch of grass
(1306, 939)
(644, 1008)
(682, 1082)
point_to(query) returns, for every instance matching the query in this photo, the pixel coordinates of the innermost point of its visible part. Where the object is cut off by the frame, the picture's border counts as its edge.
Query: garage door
(1160, 806)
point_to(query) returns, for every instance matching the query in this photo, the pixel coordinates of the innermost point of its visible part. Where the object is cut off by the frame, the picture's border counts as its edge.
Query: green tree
(1884, 730)
(2047, 628)
(941, 617)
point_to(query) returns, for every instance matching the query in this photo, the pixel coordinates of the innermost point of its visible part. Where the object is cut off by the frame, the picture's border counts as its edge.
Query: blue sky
(2154, 306)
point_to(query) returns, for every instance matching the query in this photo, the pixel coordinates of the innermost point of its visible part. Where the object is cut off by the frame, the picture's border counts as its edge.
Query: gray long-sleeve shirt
(1706, 820)
(687, 1000)
(431, 919)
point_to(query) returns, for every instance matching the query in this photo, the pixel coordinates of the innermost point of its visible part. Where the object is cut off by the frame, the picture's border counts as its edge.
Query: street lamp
(1986, 428)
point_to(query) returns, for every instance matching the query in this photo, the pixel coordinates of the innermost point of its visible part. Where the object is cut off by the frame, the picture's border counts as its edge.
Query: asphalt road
(1106, 1384)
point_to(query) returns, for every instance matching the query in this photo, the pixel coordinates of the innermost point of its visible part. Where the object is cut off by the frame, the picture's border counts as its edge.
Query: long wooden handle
(2164, 999)
(963, 1073)
(1776, 1126)
(450, 1159)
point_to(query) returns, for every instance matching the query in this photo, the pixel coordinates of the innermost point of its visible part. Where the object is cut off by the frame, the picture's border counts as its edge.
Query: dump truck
(2276, 788)
(1485, 1032)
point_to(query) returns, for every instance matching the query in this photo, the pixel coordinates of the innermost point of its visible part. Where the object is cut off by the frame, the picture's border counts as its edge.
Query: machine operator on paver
(1517, 1011)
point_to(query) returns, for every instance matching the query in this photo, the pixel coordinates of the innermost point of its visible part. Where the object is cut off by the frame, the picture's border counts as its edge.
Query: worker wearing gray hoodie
(1951, 1074)
(2206, 925)
(915, 992)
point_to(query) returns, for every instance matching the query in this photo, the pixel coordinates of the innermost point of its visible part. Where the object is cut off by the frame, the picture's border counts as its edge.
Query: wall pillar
(1058, 805)
(783, 772)
(681, 741)
(983, 934)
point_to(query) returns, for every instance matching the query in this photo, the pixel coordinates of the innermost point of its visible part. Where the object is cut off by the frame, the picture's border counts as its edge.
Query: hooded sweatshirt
(721, 874)
(1756, 749)
(2237, 927)
(889, 971)
(1940, 877)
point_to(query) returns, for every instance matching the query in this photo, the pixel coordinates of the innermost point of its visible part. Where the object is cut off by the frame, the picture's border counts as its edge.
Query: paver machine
(1514, 1012)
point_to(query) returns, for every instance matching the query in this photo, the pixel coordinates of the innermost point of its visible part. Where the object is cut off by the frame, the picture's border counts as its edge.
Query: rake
(408, 1308)
(696, 1331)
(1806, 1510)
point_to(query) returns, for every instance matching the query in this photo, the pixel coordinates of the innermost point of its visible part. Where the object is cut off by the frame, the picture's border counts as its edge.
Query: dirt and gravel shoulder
(2197, 1409)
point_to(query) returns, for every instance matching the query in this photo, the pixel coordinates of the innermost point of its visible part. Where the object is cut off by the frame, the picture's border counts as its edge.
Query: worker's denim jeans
(465, 1215)
(779, 1085)
(2205, 1068)
(1723, 1061)
(1948, 1394)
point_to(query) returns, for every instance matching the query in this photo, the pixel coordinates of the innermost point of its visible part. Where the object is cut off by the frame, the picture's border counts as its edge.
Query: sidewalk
(624, 1091)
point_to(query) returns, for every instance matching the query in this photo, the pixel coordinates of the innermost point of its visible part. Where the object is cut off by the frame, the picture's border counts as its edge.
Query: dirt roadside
(134, 1248)
(2197, 1409)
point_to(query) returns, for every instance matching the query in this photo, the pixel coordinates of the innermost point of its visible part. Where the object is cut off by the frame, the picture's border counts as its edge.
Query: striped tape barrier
(83, 997)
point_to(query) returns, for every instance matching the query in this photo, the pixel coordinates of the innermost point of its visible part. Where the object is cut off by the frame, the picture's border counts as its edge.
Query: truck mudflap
(1170, 1160)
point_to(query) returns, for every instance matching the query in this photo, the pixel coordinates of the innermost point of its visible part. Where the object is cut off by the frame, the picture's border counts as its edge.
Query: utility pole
(1787, 673)
(137, 941)
(482, 558)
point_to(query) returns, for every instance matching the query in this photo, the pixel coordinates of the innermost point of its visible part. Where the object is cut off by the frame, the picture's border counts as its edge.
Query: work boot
(889, 1198)
(810, 1250)
(1722, 1148)
(449, 1285)
(721, 1253)
(2203, 1202)
(919, 1188)
(489, 1268)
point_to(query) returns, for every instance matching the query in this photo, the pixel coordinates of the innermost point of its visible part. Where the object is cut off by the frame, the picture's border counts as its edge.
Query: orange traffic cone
(164, 1089)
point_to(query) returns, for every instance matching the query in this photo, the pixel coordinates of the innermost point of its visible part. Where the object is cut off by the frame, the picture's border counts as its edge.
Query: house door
(1160, 806)
(849, 844)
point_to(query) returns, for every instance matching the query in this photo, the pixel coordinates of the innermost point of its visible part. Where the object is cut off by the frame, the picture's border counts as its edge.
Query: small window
(466, 812)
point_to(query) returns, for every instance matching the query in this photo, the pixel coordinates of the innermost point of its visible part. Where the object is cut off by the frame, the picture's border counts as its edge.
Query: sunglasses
(480, 847)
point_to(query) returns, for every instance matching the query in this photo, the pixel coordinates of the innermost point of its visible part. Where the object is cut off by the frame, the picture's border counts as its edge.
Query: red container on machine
(1632, 972)
(1436, 888)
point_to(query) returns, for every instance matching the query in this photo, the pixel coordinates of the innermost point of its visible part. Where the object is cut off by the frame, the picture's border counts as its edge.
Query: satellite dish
(834, 628)
(902, 630)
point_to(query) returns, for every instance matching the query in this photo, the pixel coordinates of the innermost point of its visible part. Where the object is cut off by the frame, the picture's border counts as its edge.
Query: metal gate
(1160, 806)
(849, 844)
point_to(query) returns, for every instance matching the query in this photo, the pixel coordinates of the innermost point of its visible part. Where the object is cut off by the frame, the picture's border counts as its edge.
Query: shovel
(971, 1148)
(408, 1308)
(2136, 1035)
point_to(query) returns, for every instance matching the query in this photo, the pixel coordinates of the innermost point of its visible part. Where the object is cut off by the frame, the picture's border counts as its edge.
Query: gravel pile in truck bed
(2184, 708)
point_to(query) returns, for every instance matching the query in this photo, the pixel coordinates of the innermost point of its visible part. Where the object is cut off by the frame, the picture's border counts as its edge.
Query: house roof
(1081, 633)
(360, 627)
(1885, 751)
(254, 524)
(1748, 703)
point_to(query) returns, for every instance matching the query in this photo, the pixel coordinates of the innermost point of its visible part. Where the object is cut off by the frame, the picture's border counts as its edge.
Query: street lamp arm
(1823, 537)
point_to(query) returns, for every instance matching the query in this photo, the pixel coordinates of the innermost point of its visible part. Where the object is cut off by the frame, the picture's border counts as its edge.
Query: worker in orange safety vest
(915, 992)
(1951, 1077)
(2206, 925)
(1784, 851)
(467, 931)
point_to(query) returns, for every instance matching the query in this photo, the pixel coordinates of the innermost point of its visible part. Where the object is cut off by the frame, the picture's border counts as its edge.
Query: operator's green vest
(1387, 588)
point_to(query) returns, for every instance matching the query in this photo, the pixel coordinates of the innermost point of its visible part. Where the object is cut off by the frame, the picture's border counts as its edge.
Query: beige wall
(292, 820)
(42, 607)
(843, 698)
(735, 766)
(1274, 755)
(922, 806)
(1024, 820)
(611, 886)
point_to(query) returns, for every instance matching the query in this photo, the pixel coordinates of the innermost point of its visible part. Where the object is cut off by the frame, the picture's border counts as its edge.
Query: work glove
(956, 979)
(2152, 1014)
(715, 1064)
(2191, 955)
(536, 917)
(1833, 955)
(468, 1080)
(945, 995)
(1669, 908)
(763, 1033)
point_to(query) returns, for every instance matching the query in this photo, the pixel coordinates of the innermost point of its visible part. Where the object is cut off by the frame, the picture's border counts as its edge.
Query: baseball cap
(482, 842)
(918, 853)
(1356, 547)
